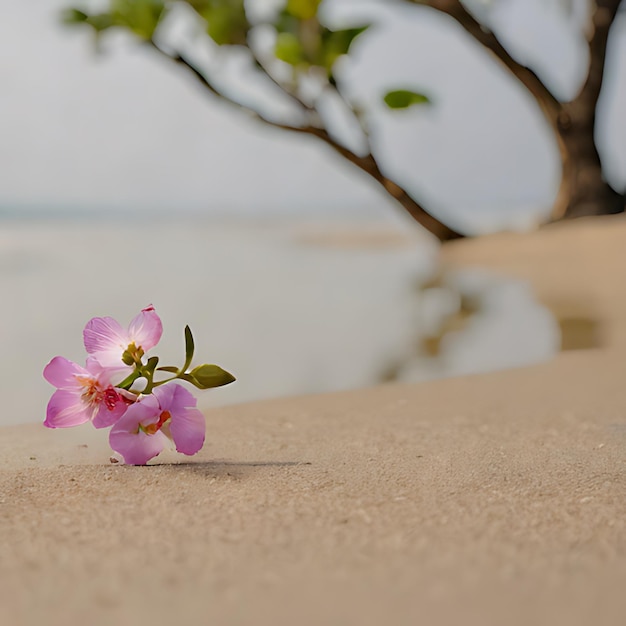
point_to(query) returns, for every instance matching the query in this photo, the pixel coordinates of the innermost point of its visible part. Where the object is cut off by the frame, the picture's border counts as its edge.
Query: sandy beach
(498, 498)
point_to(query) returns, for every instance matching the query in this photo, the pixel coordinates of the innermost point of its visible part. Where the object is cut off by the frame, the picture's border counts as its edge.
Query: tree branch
(367, 164)
(602, 20)
(550, 105)
(334, 88)
(260, 65)
(580, 113)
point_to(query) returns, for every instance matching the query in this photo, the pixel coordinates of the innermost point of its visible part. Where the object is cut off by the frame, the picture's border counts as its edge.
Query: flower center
(132, 355)
(151, 429)
(91, 390)
(94, 394)
(110, 398)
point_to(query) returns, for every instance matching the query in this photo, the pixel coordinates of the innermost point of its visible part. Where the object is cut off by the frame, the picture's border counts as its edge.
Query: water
(289, 308)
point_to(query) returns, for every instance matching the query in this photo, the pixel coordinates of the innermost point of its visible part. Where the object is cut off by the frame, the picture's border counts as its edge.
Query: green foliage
(289, 49)
(226, 19)
(337, 43)
(151, 364)
(189, 348)
(74, 16)
(209, 376)
(227, 23)
(139, 16)
(403, 99)
(303, 9)
(203, 376)
(99, 21)
(302, 41)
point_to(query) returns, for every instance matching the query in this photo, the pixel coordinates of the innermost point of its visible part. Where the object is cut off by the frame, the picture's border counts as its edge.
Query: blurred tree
(296, 56)
(291, 51)
(583, 189)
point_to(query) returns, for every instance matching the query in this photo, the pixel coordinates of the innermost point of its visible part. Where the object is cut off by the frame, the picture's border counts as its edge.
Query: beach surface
(498, 498)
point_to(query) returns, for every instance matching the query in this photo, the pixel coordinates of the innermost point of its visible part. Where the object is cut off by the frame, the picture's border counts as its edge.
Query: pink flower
(168, 413)
(113, 347)
(83, 394)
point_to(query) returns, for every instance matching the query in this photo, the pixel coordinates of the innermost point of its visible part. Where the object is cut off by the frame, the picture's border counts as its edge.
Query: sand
(577, 269)
(490, 499)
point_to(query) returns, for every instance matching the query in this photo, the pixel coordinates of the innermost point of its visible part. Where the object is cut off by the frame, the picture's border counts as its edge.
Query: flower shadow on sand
(216, 469)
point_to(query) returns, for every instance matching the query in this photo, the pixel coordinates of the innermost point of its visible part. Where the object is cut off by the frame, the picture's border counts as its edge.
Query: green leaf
(208, 376)
(99, 22)
(337, 43)
(227, 23)
(289, 49)
(302, 41)
(303, 9)
(139, 16)
(73, 16)
(151, 364)
(287, 23)
(403, 99)
(189, 348)
(189, 379)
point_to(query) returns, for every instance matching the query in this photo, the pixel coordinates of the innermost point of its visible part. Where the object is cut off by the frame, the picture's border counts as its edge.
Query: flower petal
(66, 409)
(130, 441)
(106, 340)
(145, 411)
(109, 413)
(109, 375)
(164, 395)
(62, 373)
(146, 329)
(136, 448)
(188, 424)
(188, 431)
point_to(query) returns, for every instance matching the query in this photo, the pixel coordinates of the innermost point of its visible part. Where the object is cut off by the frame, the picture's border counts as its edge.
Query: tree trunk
(584, 190)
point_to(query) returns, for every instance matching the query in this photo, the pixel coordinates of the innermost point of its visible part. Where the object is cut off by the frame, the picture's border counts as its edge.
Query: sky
(123, 130)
